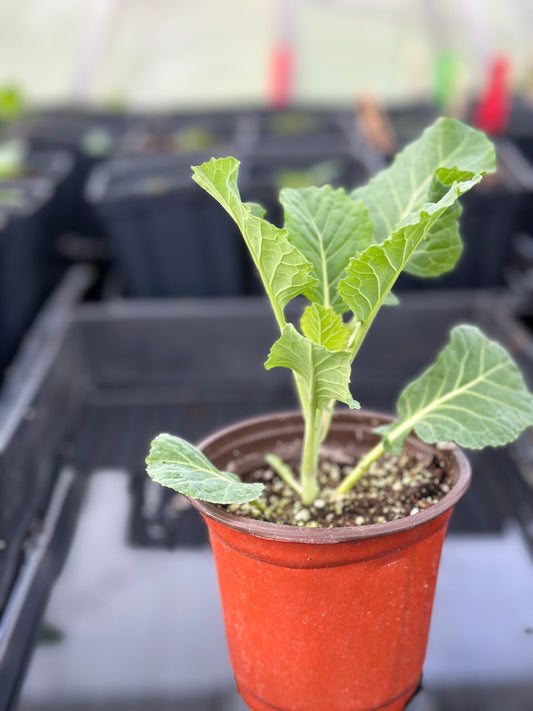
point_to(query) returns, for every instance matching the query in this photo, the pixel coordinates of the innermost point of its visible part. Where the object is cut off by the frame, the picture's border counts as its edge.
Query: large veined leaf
(447, 152)
(324, 374)
(325, 327)
(473, 395)
(328, 227)
(285, 272)
(371, 275)
(175, 463)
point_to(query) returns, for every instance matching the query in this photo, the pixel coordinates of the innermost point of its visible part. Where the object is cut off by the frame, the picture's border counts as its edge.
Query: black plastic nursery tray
(28, 267)
(192, 365)
(169, 238)
(39, 493)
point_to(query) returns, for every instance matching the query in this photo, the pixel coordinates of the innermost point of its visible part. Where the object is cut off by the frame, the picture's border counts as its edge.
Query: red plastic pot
(325, 619)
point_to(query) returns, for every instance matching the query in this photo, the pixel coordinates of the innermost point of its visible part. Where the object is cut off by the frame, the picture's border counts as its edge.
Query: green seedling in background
(12, 104)
(12, 159)
(446, 69)
(343, 253)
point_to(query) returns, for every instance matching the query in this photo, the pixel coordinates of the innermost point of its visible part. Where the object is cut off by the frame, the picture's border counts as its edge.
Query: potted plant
(327, 526)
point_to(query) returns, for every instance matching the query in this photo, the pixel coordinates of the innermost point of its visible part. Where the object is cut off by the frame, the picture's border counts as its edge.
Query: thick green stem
(325, 420)
(310, 447)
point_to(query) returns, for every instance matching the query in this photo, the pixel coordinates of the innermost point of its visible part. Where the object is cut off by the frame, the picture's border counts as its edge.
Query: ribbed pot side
(325, 619)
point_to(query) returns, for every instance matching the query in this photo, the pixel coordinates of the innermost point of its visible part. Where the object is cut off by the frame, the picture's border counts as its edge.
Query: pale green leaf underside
(325, 328)
(391, 300)
(447, 152)
(441, 247)
(175, 463)
(372, 274)
(283, 270)
(328, 227)
(324, 374)
(473, 395)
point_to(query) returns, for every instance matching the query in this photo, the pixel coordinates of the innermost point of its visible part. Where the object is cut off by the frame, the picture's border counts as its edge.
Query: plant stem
(284, 472)
(310, 447)
(357, 472)
(327, 415)
(325, 420)
(399, 430)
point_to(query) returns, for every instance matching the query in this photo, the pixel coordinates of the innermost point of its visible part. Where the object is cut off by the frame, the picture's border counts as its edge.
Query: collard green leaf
(175, 463)
(371, 275)
(328, 227)
(325, 328)
(447, 152)
(473, 395)
(442, 246)
(219, 177)
(324, 374)
(284, 271)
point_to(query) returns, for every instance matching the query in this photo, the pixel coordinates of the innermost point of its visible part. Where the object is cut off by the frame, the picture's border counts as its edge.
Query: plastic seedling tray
(30, 261)
(299, 130)
(26, 436)
(24, 279)
(168, 237)
(39, 496)
(90, 138)
(56, 166)
(312, 165)
(187, 132)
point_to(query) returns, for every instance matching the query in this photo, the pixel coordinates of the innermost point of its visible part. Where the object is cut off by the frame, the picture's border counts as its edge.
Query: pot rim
(344, 534)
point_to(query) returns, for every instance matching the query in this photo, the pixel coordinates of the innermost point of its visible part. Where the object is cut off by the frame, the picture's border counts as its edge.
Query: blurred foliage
(12, 103)
(12, 159)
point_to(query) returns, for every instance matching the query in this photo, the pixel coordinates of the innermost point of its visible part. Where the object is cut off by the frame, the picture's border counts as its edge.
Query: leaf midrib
(196, 467)
(408, 424)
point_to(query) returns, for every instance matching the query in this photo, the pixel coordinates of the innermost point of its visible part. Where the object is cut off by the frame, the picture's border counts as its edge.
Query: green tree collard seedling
(344, 253)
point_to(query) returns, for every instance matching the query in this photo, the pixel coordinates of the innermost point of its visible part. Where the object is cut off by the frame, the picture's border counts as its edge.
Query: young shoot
(344, 252)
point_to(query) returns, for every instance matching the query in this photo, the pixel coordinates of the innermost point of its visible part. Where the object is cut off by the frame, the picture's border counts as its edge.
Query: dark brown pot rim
(302, 534)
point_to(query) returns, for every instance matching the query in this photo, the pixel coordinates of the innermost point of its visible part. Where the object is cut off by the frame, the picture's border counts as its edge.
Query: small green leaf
(325, 328)
(175, 463)
(284, 271)
(473, 395)
(328, 227)
(324, 374)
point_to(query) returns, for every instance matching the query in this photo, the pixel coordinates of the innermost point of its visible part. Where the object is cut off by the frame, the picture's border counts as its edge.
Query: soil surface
(394, 487)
